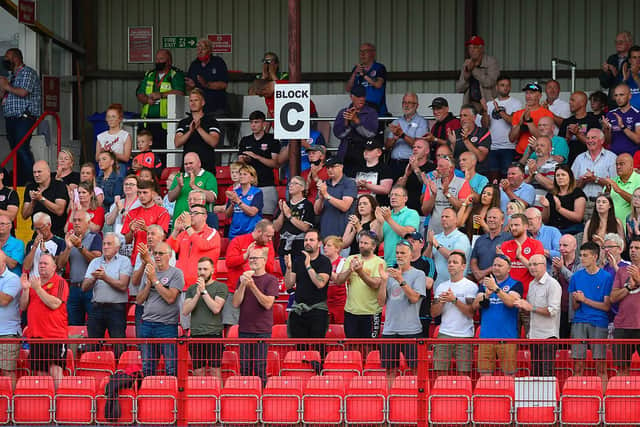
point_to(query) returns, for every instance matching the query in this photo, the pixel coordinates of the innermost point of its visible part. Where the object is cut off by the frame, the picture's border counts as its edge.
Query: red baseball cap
(475, 40)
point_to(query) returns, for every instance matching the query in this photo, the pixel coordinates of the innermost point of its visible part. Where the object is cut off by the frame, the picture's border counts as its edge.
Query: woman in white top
(120, 208)
(115, 139)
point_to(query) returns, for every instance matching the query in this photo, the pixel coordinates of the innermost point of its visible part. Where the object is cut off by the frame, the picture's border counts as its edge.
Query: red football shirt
(519, 272)
(153, 215)
(43, 321)
(236, 264)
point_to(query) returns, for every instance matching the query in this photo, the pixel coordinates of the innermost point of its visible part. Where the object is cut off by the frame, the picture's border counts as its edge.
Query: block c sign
(292, 111)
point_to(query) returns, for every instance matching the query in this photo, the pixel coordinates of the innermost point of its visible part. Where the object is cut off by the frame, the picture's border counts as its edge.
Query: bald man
(46, 195)
(563, 267)
(622, 186)
(621, 126)
(543, 306)
(193, 178)
(575, 128)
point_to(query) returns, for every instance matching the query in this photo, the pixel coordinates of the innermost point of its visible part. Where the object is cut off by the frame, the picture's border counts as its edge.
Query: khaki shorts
(443, 353)
(505, 353)
(9, 354)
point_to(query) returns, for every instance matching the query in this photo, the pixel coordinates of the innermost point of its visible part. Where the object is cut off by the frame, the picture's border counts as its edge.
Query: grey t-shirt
(116, 267)
(133, 290)
(156, 308)
(78, 263)
(402, 317)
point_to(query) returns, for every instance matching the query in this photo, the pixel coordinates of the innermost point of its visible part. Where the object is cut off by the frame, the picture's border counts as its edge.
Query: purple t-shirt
(254, 318)
(620, 143)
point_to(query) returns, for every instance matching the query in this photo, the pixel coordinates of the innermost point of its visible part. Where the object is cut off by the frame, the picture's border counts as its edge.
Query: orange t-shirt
(536, 115)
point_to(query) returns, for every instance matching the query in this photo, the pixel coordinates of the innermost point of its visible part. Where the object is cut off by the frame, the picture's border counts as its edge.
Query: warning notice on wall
(140, 44)
(221, 43)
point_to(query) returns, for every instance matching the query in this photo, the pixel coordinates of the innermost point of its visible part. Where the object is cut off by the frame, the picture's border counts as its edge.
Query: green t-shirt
(205, 180)
(361, 299)
(620, 205)
(203, 321)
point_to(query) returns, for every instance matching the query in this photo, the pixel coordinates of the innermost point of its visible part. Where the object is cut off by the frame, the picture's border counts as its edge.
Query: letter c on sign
(284, 117)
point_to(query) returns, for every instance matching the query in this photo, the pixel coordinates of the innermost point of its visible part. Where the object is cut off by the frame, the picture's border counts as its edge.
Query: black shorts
(206, 354)
(41, 356)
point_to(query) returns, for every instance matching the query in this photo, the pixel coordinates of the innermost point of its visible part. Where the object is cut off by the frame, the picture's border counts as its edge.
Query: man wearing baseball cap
(478, 75)
(374, 177)
(445, 121)
(524, 123)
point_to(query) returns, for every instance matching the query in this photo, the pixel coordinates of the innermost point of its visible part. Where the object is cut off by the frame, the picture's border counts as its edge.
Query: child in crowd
(146, 158)
(234, 169)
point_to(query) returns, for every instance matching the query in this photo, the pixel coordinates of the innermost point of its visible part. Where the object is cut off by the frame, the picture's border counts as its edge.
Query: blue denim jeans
(78, 306)
(253, 357)
(151, 352)
(17, 127)
(138, 314)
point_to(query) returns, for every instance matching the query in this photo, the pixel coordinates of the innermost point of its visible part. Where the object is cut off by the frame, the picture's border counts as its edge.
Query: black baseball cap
(332, 161)
(414, 236)
(439, 102)
(359, 91)
(372, 144)
(534, 86)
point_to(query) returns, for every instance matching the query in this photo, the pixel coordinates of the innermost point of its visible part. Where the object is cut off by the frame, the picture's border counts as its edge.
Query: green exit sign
(179, 42)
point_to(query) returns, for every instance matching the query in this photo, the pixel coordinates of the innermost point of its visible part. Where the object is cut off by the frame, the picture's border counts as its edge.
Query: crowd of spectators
(522, 213)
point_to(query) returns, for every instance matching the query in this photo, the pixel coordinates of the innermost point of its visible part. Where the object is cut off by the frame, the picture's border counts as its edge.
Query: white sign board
(292, 111)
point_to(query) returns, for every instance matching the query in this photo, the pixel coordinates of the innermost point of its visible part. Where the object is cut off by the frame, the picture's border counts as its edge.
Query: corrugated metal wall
(411, 35)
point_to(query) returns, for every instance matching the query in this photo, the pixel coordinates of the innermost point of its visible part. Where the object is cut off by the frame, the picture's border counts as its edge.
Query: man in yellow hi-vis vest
(152, 92)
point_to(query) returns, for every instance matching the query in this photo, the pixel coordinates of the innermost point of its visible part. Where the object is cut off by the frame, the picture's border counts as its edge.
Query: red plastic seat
(223, 175)
(536, 400)
(402, 403)
(300, 364)
(373, 364)
(240, 400)
(273, 364)
(493, 400)
(621, 401)
(6, 394)
(581, 401)
(279, 312)
(130, 361)
(282, 400)
(157, 400)
(346, 364)
(126, 399)
(224, 243)
(365, 400)
(222, 272)
(76, 331)
(97, 364)
(322, 400)
(202, 400)
(33, 400)
(232, 332)
(282, 192)
(563, 366)
(230, 364)
(335, 331)
(523, 363)
(131, 315)
(74, 400)
(22, 366)
(450, 399)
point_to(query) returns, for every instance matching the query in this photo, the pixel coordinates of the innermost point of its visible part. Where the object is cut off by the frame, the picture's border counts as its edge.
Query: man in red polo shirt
(193, 239)
(237, 260)
(45, 299)
(134, 227)
(520, 250)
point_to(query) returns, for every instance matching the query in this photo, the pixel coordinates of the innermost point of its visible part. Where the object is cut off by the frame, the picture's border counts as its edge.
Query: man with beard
(563, 268)
(203, 302)
(335, 199)
(622, 126)
(362, 314)
(440, 246)
(46, 195)
(310, 315)
(471, 138)
(575, 128)
(445, 122)
(353, 126)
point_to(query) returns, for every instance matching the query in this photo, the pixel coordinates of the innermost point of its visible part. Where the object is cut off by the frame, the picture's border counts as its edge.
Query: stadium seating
(126, 399)
(450, 400)
(74, 400)
(493, 399)
(402, 403)
(373, 364)
(240, 400)
(536, 400)
(322, 400)
(581, 400)
(301, 364)
(282, 400)
(97, 364)
(202, 400)
(230, 364)
(345, 364)
(33, 400)
(621, 401)
(365, 400)
(6, 394)
(156, 401)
